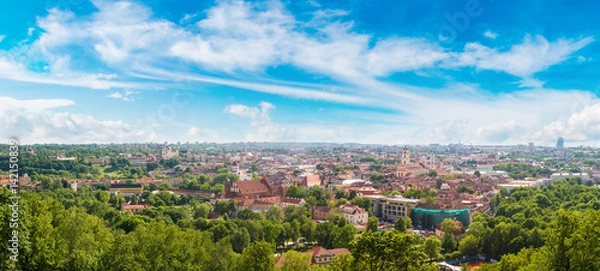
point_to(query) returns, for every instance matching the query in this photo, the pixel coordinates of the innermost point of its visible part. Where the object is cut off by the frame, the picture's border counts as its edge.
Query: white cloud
(125, 96)
(490, 34)
(395, 55)
(30, 31)
(531, 83)
(40, 121)
(200, 134)
(499, 132)
(12, 70)
(535, 54)
(2, 37)
(261, 126)
(581, 126)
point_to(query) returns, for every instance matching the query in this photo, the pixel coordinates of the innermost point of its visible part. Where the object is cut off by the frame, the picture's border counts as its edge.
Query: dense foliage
(554, 227)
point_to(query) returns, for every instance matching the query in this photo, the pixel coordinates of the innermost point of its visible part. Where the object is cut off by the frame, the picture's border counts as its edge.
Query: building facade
(354, 214)
(390, 208)
(134, 188)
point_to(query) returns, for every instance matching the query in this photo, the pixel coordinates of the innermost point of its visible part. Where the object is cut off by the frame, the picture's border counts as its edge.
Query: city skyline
(476, 72)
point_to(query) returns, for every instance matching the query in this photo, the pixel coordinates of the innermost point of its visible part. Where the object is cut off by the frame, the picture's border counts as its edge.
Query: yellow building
(134, 188)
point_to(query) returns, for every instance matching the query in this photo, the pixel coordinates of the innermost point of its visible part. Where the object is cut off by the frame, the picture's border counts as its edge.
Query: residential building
(321, 255)
(320, 212)
(354, 214)
(390, 208)
(134, 188)
(168, 153)
(285, 202)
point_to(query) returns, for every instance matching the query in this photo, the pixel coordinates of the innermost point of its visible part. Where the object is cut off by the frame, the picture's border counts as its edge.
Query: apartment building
(390, 208)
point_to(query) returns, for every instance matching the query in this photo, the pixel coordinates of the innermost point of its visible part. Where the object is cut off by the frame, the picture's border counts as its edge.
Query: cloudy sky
(389, 72)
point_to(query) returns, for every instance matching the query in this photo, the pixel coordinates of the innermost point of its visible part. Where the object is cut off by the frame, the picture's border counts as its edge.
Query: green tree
(432, 247)
(307, 230)
(469, 246)
(202, 210)
(343, 236)
(275, 214)
(222, 207)
(448, 242)
(373, 224)
(295, 261)
(324, 234)
(240, 240)
(400, 224)
(389, 250)
(257, 257)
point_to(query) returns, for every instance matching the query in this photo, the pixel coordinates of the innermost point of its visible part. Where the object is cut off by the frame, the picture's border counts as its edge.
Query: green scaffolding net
(430, 218)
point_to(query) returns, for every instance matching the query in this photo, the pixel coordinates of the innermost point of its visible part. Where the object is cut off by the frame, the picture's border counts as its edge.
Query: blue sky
(387, 72)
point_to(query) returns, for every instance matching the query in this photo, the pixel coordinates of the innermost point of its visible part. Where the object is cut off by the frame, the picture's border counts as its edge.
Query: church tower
(405, 158)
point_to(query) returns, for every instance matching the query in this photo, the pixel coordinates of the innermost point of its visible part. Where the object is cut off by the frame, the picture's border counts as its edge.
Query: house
(249, 189)
(291, 202)
(354, 214)
(311, 180)
(134, 208)
(320, 212)
(321, 255)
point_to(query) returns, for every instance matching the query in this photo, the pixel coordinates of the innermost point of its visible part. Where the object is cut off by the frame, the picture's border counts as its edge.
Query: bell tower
(405, 158)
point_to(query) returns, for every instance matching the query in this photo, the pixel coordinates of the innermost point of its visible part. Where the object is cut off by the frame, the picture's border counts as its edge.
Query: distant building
(285, 202)
(320, 212)
(168, 153)
(405, 158)
(134, 188)
(321, 255)
(560, 143)
(311, 180)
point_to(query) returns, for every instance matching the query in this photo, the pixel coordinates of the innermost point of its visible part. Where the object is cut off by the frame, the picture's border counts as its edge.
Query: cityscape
(309, 135)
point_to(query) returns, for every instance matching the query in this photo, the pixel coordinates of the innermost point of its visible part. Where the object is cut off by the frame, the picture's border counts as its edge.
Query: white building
(354, 214)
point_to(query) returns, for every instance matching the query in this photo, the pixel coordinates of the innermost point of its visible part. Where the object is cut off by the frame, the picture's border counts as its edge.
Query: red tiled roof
(244, 202)
(292, 200)
(320, 251)
(133, 207)
(353, 209)
(339, 251)
(253, 186)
